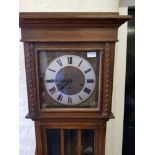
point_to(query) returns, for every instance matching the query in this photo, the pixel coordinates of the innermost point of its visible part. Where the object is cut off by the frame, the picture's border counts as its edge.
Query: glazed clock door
(69, 79)
(69, 145)
(75, 140)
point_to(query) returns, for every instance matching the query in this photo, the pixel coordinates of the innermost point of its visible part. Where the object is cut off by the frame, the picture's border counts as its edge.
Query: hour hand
(63, 86)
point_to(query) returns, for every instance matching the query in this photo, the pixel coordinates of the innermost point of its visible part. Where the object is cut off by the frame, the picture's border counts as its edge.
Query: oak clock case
(69, 60)
(69, 79)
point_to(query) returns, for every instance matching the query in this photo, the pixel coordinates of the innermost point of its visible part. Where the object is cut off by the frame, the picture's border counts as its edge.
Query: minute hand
(62, 87)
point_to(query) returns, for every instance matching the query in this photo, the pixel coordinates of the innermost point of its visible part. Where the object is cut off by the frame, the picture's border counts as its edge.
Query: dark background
(129, 115)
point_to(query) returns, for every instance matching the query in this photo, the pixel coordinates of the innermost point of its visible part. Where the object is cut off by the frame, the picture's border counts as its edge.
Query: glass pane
(53, 141)
(87, 138)
(70, 140)
(69, 79)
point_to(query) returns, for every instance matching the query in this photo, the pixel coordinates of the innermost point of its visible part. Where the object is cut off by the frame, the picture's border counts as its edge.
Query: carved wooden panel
(108, 78)
(31, 79)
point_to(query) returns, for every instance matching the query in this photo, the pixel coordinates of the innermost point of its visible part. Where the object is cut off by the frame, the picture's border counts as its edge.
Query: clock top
(100, 15)
(71, 19)
(75, 26)
(58, 44)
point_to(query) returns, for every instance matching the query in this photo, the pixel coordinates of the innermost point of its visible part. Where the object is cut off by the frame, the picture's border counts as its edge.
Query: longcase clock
(69, 59)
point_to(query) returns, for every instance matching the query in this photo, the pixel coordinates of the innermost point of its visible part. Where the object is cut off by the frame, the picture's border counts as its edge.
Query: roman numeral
(87, 90)
(52, 90)
(59, 62)
(70, 60)
(90, 80)
(69, 100)
(50, 81)
(80, 98)
(60, 97)
(88, 70)
(51, 70)
(80, 63)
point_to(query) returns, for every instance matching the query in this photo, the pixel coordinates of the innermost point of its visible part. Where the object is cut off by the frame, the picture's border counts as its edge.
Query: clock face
(69, 79)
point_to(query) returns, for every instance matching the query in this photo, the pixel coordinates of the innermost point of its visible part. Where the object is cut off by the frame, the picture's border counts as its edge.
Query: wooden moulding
(69, 35)
(74, 27)
(65, 19)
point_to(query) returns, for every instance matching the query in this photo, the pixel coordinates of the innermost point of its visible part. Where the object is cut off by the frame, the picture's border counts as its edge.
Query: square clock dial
(69, 79)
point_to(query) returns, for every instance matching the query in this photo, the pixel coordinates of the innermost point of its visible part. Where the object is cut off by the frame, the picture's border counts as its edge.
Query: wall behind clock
(115, 127)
